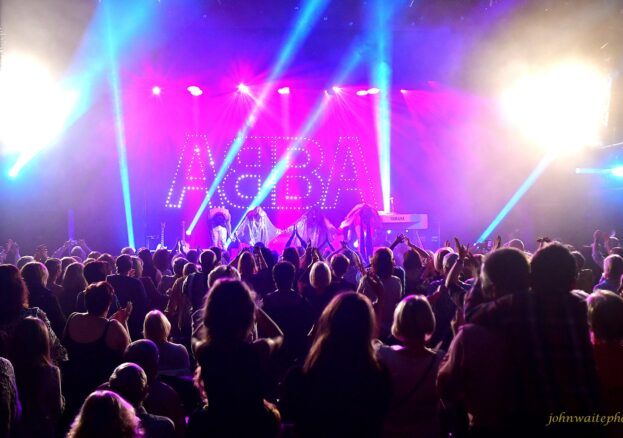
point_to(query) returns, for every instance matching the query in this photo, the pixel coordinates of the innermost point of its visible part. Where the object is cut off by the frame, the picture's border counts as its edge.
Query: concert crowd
(316, 340)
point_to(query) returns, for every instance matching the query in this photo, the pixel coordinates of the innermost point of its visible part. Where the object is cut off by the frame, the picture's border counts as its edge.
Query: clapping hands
(122, 315)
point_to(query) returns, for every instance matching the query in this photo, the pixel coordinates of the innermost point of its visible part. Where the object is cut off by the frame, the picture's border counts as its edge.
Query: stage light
(403, 91)
(336, 90)
(156, 91)
(362, 92)
(617, 171)
(373, 90)
(561, 108)
(244, 89)
(195, 91)
(34, 109)
(284, 90)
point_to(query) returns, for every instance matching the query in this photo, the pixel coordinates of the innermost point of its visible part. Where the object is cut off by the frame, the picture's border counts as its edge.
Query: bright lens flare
(33, 108)
(563, 108)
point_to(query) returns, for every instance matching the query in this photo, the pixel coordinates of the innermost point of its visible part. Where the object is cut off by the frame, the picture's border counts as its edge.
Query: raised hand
(461, 249)
(497, 244)
(315, 255)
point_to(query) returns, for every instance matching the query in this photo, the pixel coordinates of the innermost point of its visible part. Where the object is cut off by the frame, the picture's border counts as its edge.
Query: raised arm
(457, 268)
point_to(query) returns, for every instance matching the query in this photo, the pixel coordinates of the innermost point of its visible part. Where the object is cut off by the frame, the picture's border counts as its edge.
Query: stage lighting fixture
(561, 108)
(336, 90)
(362, 92)
(244, 89)
(33, 109)
(195, 91)
(403, 91)
(284, 90)
(617, 171)
(156, 90)
(373, 90)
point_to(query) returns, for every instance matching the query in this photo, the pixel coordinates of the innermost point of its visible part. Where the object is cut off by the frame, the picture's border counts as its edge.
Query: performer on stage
(362, 223)
(256, 227)
(219, 223)
(315, 227)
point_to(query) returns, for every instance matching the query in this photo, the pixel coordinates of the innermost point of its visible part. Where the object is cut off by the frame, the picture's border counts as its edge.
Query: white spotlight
(284, 90)
(194, 90)
(244, 89)
(563, 107)
(373, 90)
(33, 107)
(156, 90)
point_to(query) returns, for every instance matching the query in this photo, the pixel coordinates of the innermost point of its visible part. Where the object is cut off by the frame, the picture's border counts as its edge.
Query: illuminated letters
(307, 179)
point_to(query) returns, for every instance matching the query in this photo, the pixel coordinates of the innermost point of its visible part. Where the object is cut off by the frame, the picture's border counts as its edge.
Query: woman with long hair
(104, 414)
(383, 268)
(162, 261)
(149, 269)
(233, 370)
(155, 299)
(15, 307)
(341, 389)
(73, 283)
(246, 267)
(38, 380)
(35, 276)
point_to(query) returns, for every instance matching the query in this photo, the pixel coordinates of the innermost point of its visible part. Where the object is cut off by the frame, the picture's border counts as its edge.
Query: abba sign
(310, 178)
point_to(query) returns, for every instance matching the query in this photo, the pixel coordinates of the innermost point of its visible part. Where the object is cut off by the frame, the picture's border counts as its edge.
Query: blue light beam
(310, 124)
(303, 25)
(521, 191)
(115, 86)
(381, 77)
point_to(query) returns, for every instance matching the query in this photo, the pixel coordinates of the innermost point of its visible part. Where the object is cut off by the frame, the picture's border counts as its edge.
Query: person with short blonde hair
(414, 410)
(413, 319)
(320, 276)
(174, 359)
